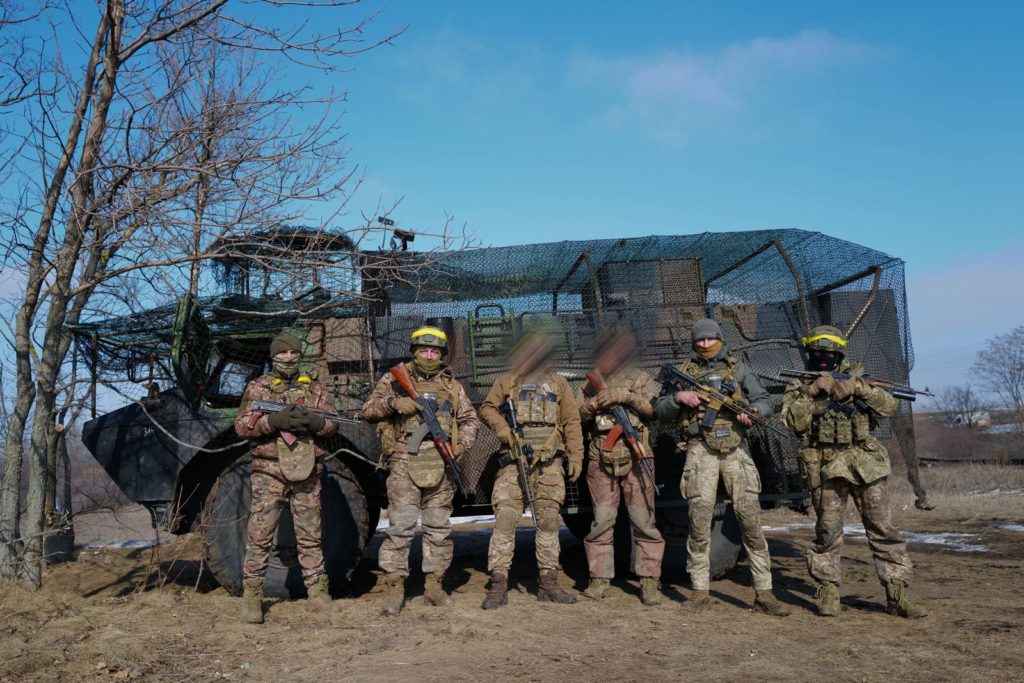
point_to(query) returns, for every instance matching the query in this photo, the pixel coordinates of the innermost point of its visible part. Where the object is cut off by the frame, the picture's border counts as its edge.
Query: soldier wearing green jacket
(842, 460)
(720, 452)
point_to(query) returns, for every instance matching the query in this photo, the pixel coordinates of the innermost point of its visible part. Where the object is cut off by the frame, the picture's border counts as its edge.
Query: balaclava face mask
(427, 367)
(709, 352)
(285, 368)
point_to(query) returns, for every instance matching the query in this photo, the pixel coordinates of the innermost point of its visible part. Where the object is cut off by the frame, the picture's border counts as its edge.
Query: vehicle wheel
(226, 513)
(726, 542)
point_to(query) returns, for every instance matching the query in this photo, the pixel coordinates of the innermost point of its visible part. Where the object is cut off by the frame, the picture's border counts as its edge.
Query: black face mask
(822, 361)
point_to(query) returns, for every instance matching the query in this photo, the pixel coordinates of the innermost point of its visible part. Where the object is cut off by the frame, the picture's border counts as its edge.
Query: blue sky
(896, 125)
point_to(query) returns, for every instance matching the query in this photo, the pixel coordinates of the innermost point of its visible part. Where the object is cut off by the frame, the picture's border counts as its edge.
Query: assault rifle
(900, 391)
(430, 425)
(624, 430)
(715, 400)
(522, 453)
(262, 406)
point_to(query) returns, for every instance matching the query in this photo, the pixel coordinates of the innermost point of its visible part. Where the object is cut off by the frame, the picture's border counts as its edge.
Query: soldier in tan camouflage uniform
(547, 411)
(612, 474)
(843, 460)
(419, 487)
(284, 474)
(720, 452)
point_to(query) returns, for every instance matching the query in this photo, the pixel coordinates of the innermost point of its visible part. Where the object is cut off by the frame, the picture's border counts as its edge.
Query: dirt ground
(101, 618)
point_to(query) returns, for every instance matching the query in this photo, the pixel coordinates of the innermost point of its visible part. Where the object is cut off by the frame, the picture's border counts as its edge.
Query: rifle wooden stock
(441, 440)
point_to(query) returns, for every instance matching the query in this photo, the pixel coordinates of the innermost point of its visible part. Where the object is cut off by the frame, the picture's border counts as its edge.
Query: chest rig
(841, 425)
(426, 467)
(724, 434)
(298, 460)
(537, 411)
(616, 461)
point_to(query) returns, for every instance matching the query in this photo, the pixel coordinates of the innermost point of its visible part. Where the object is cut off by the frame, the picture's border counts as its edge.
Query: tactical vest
(426, 468)
(840, 426)
(724, 435)
(298, 460)
(537, 409)
(618, 461)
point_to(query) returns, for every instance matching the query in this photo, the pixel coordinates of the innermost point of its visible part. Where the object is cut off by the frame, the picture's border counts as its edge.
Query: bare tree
(170, 121)
(1000, 367)
(961, 405)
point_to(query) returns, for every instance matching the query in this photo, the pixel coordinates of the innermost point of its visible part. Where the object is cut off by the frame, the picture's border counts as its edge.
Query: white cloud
(671, 93)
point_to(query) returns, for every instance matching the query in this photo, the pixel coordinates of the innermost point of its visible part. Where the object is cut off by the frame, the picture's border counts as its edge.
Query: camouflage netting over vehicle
(356, 310)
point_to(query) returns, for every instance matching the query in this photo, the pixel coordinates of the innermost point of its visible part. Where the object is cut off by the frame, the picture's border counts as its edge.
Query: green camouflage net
(356, 313)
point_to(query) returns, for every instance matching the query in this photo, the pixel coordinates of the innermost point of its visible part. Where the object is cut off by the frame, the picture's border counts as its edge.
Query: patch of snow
(132, 543)
(1019, 528)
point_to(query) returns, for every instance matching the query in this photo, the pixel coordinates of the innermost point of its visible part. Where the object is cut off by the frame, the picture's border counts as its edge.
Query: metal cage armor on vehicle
(174, 450)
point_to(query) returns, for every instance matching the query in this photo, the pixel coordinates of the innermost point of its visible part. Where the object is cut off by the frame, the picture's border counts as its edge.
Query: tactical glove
(609, 398)
(863, 389)
(823, 385)
(505, 436)
(458, 450)
(297, 419)
(314, 422)
(280, 420)
(403, 405)
(844, 390)
(575, 468)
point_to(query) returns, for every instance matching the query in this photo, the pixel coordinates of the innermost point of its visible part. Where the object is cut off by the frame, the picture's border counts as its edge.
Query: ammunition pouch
(723, 436)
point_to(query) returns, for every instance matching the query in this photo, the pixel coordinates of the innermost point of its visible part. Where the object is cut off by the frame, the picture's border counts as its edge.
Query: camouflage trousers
(407, 504)
(605, 492)
(270, 493)
(742, 482)
(507, 499)
(892, 562)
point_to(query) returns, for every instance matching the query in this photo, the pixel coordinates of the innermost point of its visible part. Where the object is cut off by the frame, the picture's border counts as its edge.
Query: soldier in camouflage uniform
(547, 411)
(612, 474)
(419, 487)
(843, 460)
(284, 474)
(720, 452)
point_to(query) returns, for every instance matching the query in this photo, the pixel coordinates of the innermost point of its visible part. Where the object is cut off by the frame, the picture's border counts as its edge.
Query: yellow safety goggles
(830, 337)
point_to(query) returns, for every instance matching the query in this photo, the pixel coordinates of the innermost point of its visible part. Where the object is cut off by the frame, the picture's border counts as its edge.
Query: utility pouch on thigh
(296, 461)
(811, 458)
(722, 436)
(387, 438)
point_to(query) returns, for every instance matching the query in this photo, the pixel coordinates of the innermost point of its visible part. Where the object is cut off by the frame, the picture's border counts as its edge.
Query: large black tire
(346, 528)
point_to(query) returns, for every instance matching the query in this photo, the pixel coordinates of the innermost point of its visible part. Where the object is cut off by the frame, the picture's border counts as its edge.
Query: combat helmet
(428, 335)
(825, 338)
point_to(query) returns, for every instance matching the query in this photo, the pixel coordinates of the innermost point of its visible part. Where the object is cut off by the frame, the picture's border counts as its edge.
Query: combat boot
(698, 600)
(828, 600)
(252, 601)
(497, 595)
(433, 591)
(319, 594)
(394, 599)
(898, 602)
(650, 590)
(597, 588)
(765, 601)
(550, 591)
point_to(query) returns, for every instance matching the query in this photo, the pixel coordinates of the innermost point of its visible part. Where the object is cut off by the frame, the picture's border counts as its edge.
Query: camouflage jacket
(254, 425)
(643, 391)
(569, 431)
(837, 443)
(394, 442)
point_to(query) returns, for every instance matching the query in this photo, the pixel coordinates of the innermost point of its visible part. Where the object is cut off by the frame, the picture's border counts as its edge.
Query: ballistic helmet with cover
(825, 338)
(429, 336)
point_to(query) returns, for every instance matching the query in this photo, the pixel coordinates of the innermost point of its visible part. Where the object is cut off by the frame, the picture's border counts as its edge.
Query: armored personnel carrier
(183, 367)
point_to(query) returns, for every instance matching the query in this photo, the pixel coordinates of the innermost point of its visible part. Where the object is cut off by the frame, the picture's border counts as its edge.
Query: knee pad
(506, 518)
(547, 518)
